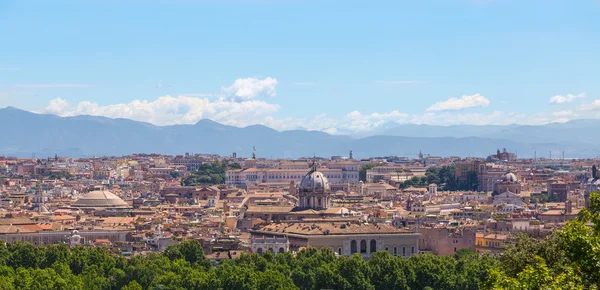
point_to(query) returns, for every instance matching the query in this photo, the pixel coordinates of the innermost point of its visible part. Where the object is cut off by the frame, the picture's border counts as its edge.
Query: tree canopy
(184, 266)
(362, 172)
(209, 174)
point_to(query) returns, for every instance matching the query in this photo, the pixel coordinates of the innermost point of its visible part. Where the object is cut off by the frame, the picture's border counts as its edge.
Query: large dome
(509, 177)
(314, 181)
(100, 199)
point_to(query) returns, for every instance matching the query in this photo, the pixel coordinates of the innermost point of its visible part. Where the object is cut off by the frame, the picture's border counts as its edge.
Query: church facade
(346, 235)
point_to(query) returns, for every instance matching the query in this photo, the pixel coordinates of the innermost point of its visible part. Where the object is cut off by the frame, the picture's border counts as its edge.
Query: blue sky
(336, 66)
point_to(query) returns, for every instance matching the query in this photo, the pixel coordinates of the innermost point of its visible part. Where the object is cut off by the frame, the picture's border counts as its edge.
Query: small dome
(100, 199)
(509, 177)
(314, 181)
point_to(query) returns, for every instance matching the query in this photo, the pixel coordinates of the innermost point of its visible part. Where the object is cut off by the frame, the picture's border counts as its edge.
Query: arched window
(363, 246)
(373, 247)
(271, 250)
(259, 251)
(395, 251)
(281, 250)
(386, 249)
(412, 250)
(340, 251)
(353, 247)
(403, 251)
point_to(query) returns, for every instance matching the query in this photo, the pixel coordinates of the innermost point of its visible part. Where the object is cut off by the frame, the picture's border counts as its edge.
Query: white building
(274, 244)
(336, 173)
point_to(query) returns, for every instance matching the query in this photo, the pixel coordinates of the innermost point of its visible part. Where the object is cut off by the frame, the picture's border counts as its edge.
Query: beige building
(508, 183)
(345, 237)
(487, 176)
(245, 177)
(443, 241)
(314, 226)
(10, 234)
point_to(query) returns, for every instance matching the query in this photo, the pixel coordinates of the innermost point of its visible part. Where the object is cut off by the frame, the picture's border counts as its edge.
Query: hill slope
(45, 135)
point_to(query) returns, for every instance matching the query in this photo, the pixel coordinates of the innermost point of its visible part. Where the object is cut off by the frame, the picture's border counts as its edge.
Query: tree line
(184, 266)
(209, 173)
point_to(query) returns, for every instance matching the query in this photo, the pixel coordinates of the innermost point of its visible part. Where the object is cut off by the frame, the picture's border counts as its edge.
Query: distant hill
(25, 133)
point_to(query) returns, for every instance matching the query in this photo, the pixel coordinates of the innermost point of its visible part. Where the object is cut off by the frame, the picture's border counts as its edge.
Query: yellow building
(489, 242)
(462, 169)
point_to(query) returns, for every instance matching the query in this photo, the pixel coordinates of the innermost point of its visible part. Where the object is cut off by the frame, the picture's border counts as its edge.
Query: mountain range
(25, 133)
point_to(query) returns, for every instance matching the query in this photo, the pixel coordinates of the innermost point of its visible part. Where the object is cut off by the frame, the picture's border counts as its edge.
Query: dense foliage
(184, 266)
(566, 259)
(362, 172)
(445, 178)
(209, 174)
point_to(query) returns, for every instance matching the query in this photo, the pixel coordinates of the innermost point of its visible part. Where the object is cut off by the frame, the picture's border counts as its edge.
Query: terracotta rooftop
(331, 228)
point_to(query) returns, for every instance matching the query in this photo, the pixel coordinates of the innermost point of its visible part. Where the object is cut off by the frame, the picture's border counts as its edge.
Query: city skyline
(303, 64)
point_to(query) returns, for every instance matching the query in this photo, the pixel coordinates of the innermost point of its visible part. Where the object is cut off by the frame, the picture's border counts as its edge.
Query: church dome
(100, 199)
(314, 181)
(509, 177)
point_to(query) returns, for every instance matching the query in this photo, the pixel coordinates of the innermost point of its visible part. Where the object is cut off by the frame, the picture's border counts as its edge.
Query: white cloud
(319, 122)
(358, 122)
(57, 106)
(564, 114)
(168, 110)
(402, 82)
(464, 102)
(248, 88)
(493, 118)
(53, 86)
(559, 99)
(593, 106)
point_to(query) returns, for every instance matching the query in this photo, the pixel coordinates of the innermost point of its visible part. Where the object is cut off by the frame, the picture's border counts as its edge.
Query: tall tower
(350, 154)
(38, 198)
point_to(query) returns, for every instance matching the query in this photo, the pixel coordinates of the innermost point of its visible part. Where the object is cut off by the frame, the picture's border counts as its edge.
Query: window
(363, 246)
(353, 247)
(373, 247)
(340, 251)
(403, 251)
(395, 251)
(412, 250)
